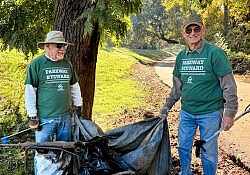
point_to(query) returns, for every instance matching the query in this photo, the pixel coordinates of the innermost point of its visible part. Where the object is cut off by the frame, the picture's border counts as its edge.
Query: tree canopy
(23, 23)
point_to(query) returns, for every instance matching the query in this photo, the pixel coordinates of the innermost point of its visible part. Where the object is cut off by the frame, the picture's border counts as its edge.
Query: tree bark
(225, 18)
(83, 55)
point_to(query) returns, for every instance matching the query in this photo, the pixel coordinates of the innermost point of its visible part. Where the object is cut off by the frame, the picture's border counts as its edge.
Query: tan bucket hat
(193, 19)
(54, 37)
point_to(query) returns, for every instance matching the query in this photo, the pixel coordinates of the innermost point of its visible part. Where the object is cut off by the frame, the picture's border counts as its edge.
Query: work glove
(79, 111)
(34, 122)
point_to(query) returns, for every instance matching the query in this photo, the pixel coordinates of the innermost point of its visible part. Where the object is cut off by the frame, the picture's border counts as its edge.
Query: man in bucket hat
(203, 79)
(50, 86)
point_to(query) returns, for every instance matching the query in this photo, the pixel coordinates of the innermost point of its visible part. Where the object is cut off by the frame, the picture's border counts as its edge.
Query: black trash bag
(98, 159)
(144, 145)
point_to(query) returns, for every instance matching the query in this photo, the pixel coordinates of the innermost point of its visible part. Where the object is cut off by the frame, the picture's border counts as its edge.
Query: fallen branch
(60, 144)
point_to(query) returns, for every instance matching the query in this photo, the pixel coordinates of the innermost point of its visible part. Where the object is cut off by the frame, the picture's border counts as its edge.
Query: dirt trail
(234, 142)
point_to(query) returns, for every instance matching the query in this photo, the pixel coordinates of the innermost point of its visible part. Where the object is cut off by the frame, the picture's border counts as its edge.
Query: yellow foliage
(168, 4)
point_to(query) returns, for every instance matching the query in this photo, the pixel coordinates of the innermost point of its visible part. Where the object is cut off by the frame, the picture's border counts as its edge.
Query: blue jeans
(208, 124)
(57, 130)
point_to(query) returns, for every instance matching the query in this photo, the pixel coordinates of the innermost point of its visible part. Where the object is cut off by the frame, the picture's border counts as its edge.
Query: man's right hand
(227, 122)
(34, 122)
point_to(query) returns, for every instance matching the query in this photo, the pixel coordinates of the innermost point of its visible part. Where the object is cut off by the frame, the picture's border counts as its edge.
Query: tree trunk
(225, 18)
(83, 55)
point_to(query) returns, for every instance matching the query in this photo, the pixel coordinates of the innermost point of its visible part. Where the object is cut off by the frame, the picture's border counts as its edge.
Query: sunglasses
(60, 45)
(189, 30)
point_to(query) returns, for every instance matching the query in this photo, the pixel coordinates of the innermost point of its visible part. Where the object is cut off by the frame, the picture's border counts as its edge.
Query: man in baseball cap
(203, 79)
(193, 19)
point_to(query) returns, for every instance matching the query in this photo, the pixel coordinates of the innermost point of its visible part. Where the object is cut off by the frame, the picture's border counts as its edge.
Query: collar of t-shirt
(198, 49)
(47, 56)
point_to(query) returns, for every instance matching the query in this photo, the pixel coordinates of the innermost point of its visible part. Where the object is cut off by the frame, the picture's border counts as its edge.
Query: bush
(12, 111)
(240, 61)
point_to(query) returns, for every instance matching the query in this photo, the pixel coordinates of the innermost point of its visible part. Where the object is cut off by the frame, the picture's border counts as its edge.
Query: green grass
(12, 161)
(12, 111)
(154, 54)
(115, 90)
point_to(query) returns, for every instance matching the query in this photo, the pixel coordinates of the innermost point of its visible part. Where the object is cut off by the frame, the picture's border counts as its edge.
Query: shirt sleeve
(30, 100)
(74, 78)
(220, 62)
(176, 71)
(76, 94)
(229, 88)
(175, 93)
(31, 75)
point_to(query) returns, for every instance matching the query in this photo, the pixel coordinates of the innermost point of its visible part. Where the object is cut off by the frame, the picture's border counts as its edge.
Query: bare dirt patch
(243, 78)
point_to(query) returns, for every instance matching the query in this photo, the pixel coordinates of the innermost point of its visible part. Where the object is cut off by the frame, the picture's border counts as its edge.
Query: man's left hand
(227, 122)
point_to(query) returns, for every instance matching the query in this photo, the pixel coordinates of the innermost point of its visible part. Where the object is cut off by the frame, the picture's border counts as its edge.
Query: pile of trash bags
(141, 148)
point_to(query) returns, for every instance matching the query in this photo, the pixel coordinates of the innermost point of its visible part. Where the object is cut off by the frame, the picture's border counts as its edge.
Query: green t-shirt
(199, 73)
(52, 80)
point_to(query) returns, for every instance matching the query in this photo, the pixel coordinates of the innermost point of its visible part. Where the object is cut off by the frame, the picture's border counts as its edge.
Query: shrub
(12, 112)
(240, 61)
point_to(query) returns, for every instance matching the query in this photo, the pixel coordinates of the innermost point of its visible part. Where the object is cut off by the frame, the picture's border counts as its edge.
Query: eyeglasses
(60, 45)
(189, 30)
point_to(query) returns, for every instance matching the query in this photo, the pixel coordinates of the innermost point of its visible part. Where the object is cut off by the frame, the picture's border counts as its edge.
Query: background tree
(154, 25)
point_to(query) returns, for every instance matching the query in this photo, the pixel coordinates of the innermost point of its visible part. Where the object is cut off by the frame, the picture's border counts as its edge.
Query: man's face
(56, 51)
(193, 34)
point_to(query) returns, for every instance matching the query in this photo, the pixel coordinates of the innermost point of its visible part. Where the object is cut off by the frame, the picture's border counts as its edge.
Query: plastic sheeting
(51, 164)
(143, 145)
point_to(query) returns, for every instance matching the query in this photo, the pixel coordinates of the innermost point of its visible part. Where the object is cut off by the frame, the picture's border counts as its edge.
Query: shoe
(33, 122)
